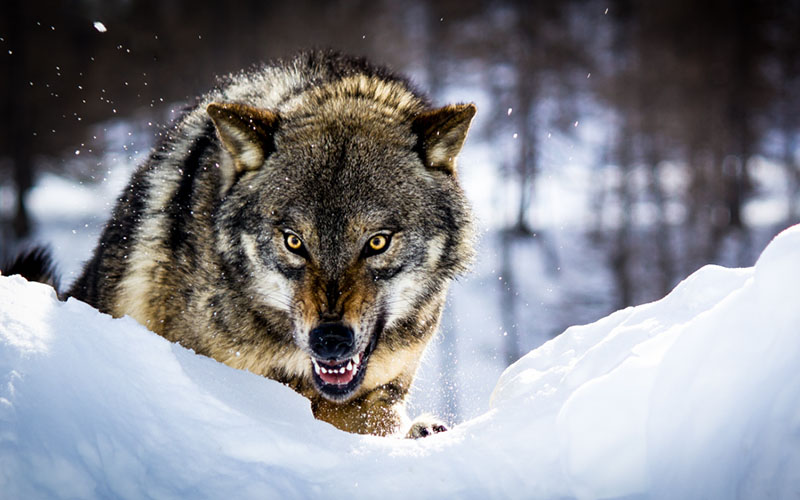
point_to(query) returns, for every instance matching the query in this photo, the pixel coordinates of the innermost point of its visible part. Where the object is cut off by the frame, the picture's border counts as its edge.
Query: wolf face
(345, 230)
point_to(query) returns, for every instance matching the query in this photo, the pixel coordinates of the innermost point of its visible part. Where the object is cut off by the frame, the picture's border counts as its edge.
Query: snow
(693, 396)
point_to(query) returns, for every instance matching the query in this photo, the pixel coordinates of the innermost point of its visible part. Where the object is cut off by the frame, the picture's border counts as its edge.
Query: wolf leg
(379, 412)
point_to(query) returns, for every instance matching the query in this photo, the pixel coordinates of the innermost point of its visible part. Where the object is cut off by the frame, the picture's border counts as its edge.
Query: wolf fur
(35, 264)
(302, 221)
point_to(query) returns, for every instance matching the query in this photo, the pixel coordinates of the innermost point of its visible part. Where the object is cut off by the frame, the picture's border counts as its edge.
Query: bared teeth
(353, 364)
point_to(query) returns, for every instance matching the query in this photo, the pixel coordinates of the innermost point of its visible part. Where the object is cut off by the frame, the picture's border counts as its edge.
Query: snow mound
(694, 396)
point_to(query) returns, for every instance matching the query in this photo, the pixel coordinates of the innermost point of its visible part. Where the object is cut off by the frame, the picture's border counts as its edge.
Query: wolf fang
(175, 254)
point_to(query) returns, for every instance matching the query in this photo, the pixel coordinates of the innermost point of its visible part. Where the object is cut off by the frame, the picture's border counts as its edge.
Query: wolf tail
(34, 264)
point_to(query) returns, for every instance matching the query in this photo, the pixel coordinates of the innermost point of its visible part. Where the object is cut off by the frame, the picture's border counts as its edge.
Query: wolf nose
(332, 341)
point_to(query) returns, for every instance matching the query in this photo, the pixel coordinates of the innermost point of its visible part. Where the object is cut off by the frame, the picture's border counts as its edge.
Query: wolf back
(301, 221)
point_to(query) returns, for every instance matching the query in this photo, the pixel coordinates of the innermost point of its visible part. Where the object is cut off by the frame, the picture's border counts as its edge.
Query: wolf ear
(441, 134)
(246, 132)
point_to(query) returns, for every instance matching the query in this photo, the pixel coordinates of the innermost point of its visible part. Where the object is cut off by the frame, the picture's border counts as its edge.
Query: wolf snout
(332, 341)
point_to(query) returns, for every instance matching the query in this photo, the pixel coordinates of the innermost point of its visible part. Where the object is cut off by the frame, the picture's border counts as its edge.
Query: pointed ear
(246, 132)
(441, 134)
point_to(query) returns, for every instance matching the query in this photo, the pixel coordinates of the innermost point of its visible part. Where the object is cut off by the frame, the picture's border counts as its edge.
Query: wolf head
(342, 213)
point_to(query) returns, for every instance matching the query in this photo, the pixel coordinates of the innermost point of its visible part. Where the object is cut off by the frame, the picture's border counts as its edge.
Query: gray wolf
(301, 221)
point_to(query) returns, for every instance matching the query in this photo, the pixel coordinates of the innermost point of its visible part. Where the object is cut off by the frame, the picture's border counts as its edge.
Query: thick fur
(329, 149)
(34, 264)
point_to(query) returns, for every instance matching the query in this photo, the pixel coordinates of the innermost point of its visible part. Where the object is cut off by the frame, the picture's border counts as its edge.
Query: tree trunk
(18, 115)
(508, 298)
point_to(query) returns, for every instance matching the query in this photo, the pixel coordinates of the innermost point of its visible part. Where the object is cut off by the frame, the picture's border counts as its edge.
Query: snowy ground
(694, 396)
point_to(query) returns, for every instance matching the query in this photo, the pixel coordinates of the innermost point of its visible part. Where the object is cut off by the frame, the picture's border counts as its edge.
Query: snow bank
(693, 396)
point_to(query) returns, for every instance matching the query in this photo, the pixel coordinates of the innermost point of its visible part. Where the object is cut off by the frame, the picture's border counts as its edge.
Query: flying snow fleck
(100, 27)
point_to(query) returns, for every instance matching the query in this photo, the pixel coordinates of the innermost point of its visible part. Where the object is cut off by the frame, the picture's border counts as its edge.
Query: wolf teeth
(352, 364)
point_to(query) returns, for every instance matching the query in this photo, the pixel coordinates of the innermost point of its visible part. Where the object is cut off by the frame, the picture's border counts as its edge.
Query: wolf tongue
(337, 378)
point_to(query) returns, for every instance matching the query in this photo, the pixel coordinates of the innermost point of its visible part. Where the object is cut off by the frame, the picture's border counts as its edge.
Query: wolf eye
(293, 243)
(376, 244)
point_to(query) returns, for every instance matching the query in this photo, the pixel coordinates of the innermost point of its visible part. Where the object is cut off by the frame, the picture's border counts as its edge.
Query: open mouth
(337, 380)
(338, 373)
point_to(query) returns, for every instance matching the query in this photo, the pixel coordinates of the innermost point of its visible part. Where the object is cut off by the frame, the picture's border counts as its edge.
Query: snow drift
(694, 396)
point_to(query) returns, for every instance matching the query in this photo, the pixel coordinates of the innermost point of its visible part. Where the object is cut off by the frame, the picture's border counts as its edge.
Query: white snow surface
(693, 396)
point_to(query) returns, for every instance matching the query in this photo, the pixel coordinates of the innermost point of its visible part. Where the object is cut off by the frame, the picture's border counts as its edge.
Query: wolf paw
(424, 427)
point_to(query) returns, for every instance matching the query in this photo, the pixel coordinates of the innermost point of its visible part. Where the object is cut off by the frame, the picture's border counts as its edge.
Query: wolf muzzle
(332, 341)
(338, 368)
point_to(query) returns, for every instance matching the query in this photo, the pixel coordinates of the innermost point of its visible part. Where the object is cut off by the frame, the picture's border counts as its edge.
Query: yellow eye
(293, 242)
(378, 243)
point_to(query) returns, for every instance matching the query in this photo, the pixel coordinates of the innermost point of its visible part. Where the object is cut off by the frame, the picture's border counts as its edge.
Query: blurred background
(619, 145)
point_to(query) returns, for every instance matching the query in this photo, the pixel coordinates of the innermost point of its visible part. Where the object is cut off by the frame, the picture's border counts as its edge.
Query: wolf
(302, 221)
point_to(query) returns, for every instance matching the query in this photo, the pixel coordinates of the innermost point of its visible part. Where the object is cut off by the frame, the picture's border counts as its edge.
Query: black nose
(332, 341)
